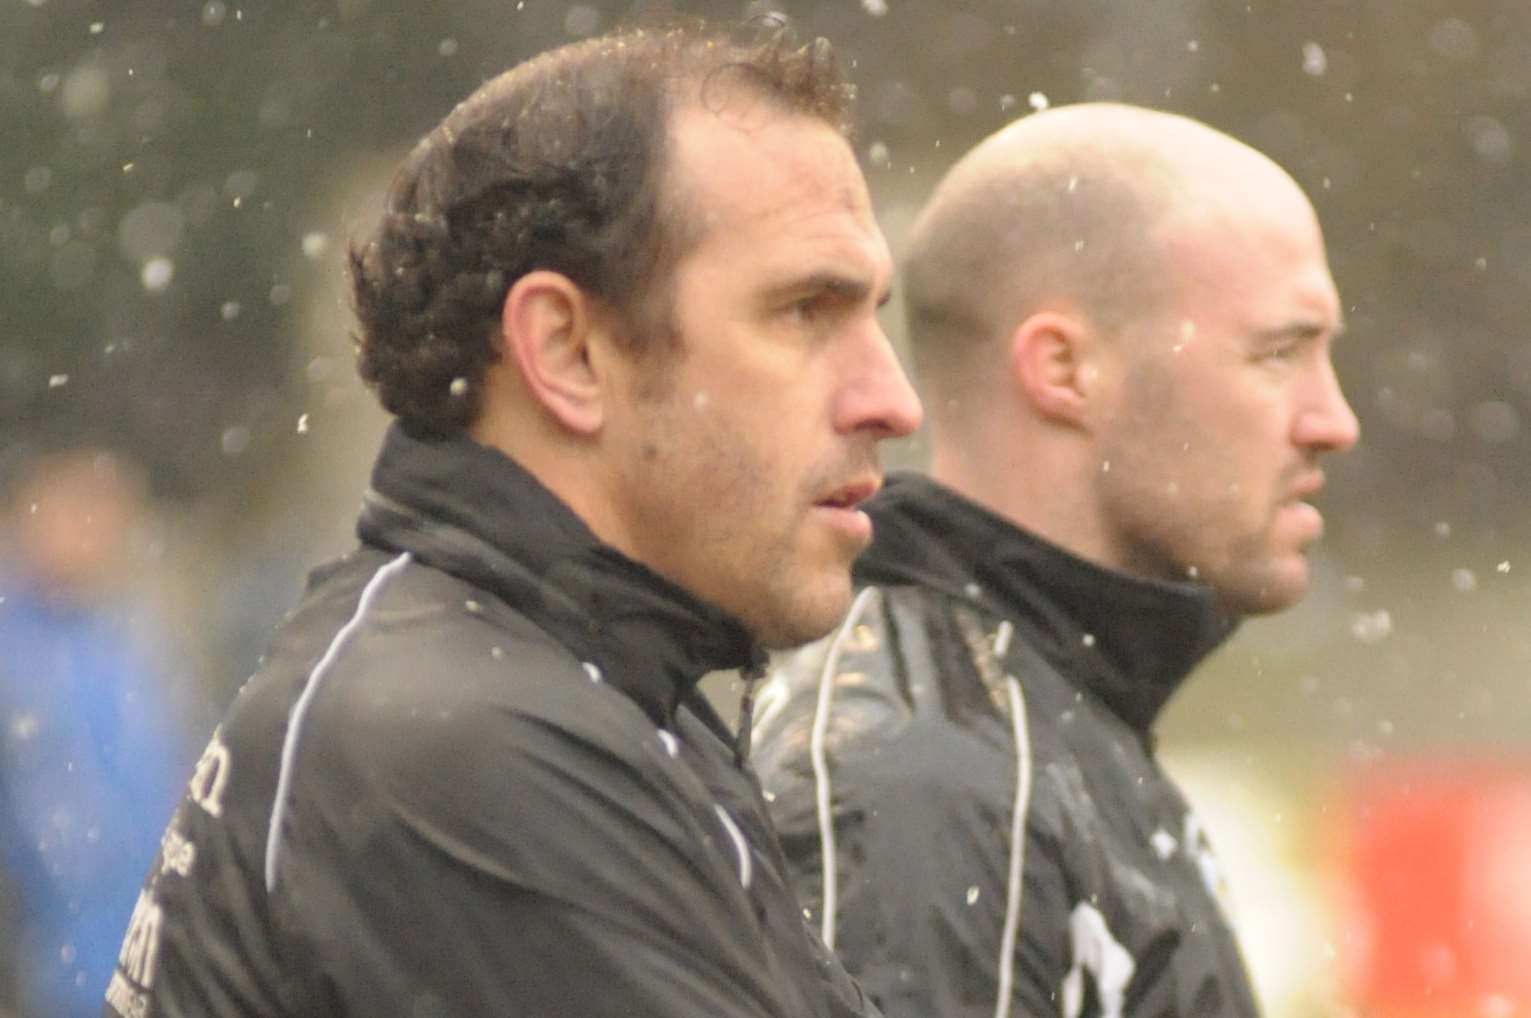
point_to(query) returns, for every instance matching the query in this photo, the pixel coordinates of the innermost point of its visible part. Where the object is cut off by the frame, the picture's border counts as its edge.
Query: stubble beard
(1258, 584)
(802, 609)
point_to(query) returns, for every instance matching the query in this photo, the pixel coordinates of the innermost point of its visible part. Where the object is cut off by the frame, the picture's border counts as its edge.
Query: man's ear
(546, 328)
(1051, 362)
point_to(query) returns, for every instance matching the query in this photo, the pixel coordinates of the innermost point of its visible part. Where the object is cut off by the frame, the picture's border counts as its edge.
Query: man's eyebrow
(827, 281)
(1304, 328)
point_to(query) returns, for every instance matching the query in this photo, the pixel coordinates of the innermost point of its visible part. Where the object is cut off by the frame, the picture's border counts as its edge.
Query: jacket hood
(1127, 640)
(471, 511)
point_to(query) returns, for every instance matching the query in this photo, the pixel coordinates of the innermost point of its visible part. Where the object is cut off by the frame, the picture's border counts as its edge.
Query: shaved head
(1066, 210)
(1123, 321)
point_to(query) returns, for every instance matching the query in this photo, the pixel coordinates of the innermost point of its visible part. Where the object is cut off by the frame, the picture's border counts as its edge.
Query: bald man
(1123, 321)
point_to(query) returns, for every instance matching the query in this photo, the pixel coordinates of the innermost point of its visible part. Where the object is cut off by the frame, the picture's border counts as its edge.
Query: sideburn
(650, 337)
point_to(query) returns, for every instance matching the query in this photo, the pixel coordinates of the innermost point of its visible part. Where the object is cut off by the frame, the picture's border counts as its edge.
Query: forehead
(779, 186)
(1256, 265)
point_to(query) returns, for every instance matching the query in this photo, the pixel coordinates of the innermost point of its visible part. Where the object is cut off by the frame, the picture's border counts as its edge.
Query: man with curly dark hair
(623, 304)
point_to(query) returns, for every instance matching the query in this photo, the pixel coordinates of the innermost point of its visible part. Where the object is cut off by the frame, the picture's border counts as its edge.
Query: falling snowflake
(235, 440)
(1372, 627)
(1314, 60)
(157, 274)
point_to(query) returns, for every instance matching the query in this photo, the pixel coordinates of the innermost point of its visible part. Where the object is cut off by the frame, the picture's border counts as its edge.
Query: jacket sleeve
(920, 818)
(502, 864)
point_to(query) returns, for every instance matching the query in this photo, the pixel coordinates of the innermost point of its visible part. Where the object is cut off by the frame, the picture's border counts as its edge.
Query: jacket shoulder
(846, 686)
(907, 696)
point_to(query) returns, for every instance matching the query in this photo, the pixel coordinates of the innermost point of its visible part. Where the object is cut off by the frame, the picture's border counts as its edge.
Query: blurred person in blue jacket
(89, 754)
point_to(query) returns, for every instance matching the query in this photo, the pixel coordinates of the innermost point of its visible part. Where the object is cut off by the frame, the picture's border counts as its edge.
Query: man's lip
(1307, 486)
(850, 496)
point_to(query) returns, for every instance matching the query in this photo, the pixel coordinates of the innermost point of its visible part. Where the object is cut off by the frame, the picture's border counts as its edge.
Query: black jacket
(475, 778)
(986, 683)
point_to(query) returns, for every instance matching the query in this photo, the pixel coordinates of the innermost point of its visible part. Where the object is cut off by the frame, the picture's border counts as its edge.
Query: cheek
(1226, 493)
(1216, 453)
(728, 468)
(1181, 484)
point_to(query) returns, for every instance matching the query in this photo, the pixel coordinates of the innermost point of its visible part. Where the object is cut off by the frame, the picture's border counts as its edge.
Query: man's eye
(804, 311)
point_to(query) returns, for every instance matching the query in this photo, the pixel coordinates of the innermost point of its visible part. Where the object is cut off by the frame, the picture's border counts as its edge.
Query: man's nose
(1327, 423)
(879, 397)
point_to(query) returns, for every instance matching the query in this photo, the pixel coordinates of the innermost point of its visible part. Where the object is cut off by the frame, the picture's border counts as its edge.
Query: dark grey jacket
(474, 778)
(965, 785)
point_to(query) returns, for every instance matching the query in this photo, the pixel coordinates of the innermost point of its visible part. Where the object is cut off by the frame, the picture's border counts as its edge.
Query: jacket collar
(1129, 641)
(471, 511)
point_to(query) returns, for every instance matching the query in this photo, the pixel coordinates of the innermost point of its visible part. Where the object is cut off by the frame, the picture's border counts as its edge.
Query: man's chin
(1276, 587)
(802, 616)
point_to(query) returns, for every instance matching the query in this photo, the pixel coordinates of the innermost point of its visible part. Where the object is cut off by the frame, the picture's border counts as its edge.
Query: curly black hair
(556, 164)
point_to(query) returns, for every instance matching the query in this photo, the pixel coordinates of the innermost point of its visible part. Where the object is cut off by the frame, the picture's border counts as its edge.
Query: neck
(563, 465)
(1044, 486)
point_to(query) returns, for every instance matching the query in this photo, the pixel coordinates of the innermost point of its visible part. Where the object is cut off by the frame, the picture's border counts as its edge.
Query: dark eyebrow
(845, 288)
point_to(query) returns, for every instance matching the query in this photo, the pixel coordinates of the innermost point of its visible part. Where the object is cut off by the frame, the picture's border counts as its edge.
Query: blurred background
(177, 399)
